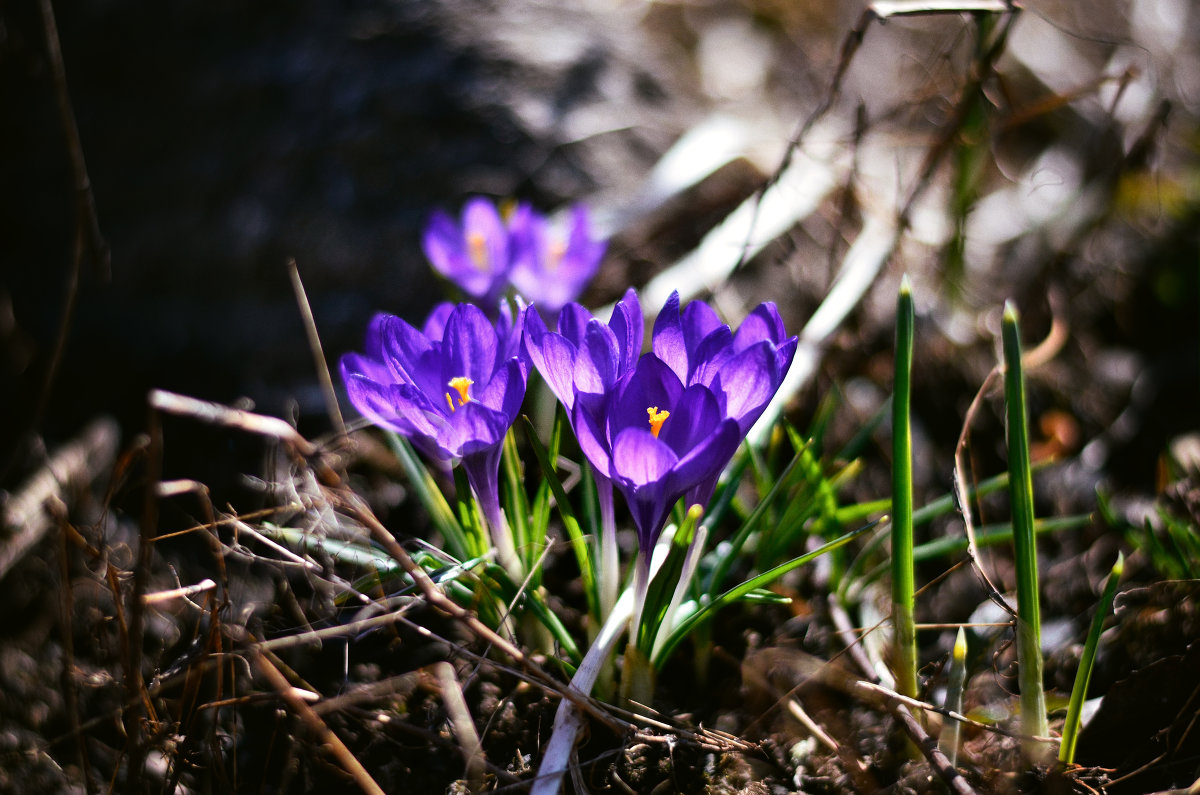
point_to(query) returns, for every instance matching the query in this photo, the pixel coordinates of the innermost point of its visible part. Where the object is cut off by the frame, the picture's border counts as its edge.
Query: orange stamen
(459, 385)
(477, 247)
(657, 418)
(555, 252)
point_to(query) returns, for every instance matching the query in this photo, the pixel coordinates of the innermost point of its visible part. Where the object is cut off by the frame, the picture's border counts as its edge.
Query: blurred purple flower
(474, 254)
(551, 267)
(488, 250)
(453, 388)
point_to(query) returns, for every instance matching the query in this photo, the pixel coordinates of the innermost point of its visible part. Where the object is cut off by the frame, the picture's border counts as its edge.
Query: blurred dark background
(223, 138)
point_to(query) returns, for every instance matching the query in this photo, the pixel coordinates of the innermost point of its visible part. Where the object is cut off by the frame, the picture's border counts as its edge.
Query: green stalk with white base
(904, 639)
(1020, 485)
(955, 682)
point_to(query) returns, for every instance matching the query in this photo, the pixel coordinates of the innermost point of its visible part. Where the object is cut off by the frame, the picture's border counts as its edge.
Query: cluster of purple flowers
(490, 250)
(660, 425)
(657, 426)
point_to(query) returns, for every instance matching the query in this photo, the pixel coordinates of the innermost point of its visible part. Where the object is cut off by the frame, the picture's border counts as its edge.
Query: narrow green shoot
(426, 489)
(667, 581)
(1020, 482)
(516, 502)
(1070, 732)
(955, 682)
(689, 620)
(579, 542)
(904, 638)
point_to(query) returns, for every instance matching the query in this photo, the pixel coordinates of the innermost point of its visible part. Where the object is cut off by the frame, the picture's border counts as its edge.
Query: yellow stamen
(460, 385)
(657, 418)
(477, 248)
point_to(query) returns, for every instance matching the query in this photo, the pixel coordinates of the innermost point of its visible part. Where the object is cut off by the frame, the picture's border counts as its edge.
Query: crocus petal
(405, 382)
(710, 355)
(510, 330)
(628, 327)
(469, 345)
(641, 465)
(401, 347)
(551, 266)
(698, 320)
(474, 255)
(505, 392)
(747, 382)
(475, 427)
(442, 242)
(480, 217)
(553, 356)
(582, 247)
(435, 324)
(784, 355)
(590, 433)
(640, 458)
(668, 342)
(652, 384)
(598, 360)
(693, 418)
(572, 322)
(705, 461)
(764, 323)
(355, 364)
(395, 406)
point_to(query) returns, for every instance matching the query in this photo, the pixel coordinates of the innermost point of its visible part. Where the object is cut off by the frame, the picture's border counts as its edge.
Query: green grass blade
(425, 487)
(986, 536)
(663, 586)
(1070, 732)
(516, 505)
(990, 535)
(1020, 482)
(685, 627)
(579, 541)
(731, 551)
(859, 512)
(904, 628)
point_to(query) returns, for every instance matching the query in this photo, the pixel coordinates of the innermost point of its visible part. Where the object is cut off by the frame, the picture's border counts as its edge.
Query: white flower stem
(569, 720)
(610, 564)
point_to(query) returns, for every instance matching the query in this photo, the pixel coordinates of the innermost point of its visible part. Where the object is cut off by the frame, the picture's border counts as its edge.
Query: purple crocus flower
(661, 439)
(586, 357)
(474, 254)
(453, 388)
(582, 363)
(665, 427)
(551, 267)
(743, 369)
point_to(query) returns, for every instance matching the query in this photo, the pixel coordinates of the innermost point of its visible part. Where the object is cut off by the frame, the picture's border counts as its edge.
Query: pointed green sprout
(903, 621)
(1020, 482)
(1070, 732)
(956, 680)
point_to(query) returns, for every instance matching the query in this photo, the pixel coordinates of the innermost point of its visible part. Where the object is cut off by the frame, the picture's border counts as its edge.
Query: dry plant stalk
(71, 468)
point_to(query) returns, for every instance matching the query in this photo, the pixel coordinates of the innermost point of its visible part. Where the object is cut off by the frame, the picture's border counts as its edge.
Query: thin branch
(313, 721)
(314, 343)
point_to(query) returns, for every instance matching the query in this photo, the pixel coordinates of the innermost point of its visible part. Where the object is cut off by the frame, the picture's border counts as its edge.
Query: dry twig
(74, 466)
